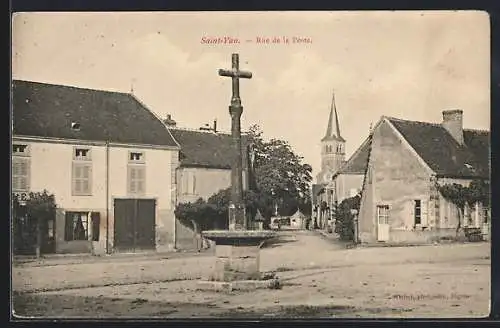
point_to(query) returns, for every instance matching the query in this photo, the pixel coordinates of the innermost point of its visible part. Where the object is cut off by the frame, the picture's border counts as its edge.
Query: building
(204, 169)
(109, 161)
(407, 161)
(348, 180)
(332, 159)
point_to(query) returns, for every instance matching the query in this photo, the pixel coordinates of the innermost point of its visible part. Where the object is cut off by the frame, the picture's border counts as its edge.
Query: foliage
(39, 207)
(280, 176)
(344, 224)
(460, 196)
(213, 213)
(277, 176)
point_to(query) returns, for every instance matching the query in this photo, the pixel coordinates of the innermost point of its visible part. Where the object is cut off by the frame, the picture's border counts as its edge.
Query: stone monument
(237, 249)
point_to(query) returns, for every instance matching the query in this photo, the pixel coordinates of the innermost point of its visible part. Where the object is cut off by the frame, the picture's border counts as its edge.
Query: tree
(460, 196)
(280, 175)
(344, 223)
(41, 208)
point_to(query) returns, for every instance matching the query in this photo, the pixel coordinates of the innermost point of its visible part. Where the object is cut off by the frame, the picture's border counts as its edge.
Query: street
(320, 278)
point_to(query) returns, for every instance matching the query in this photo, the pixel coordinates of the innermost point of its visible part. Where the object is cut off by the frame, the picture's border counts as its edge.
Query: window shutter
(68, 227)
(76, 179)
(96, 223)
(411, 207)
(87, 174)
(141, 179)
(132, 180)
(424, 212)
(194, 184)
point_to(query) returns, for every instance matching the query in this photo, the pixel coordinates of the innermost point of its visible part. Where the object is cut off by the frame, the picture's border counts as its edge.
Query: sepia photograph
(250, 165)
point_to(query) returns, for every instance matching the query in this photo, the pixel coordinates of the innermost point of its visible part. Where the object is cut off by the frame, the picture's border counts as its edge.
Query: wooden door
(383, 223)
(134, 224)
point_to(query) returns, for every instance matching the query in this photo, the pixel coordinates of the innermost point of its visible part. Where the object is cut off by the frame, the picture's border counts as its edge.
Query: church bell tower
(332, 147)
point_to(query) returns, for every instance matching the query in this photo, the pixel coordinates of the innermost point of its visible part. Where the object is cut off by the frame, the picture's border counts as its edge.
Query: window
(136, 175)
(82, 179)
(19, 150)
(82, 172)
(136, 157)
(81, 154)
(189, 183)
(383, 214)
(418, 212)
(20, 168)
(136, 179)
(79, 225)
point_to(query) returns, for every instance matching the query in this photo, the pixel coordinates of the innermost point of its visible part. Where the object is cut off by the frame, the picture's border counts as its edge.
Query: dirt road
(321, 279)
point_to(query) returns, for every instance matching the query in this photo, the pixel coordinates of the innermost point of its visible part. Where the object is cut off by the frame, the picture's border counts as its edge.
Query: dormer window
(75, 126)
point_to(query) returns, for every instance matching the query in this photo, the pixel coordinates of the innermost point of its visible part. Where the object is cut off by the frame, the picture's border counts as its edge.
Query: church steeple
(333, 120)
(332, 147)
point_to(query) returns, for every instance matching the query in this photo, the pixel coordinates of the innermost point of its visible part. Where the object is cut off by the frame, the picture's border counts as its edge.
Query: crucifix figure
(237, 215)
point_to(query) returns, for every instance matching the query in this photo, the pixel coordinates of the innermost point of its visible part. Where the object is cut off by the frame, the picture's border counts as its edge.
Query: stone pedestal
(237, 264)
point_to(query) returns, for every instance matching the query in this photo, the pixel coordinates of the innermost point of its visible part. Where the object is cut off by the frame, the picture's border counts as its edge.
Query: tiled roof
(47, 110)
(359, 160)
(443, 154)
(206, 149)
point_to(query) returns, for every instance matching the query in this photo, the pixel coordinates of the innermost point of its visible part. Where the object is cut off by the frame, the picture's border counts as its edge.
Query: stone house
(407, 160)
(204, 169)
(109, 161)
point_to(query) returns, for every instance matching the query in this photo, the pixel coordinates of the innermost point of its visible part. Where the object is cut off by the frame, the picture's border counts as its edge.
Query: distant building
(400, 201)
(205, 168)
(348, 181)
(332, 159)
(109, 161)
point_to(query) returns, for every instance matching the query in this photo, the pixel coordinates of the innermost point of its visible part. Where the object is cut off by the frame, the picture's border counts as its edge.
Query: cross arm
(232, 73)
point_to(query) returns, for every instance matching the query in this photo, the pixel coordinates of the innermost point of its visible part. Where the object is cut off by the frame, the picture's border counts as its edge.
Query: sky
(410, 65)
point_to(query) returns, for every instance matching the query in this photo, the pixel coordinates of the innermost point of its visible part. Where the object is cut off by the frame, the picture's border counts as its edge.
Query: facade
(108, 160)
(400, 200)
(204, 169)
(332, 159)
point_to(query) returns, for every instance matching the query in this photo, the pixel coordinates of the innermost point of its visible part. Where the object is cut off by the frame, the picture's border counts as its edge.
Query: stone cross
(237, 216)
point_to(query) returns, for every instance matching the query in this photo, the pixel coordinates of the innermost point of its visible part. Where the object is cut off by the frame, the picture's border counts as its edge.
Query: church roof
(48, 110)
(333, 127)
(442, 153)
(206, 149)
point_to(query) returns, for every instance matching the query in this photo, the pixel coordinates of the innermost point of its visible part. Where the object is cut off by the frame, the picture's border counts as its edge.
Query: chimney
(453, 123)
(215, 126)
(169, 121)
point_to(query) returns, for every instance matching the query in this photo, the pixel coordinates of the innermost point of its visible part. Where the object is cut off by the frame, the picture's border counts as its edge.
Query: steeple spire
(333, 119)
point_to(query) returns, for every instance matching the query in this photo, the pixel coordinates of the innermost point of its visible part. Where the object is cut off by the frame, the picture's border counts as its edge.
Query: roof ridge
(412, 121)
(71, 86)
(477, 130)
(205, 131)
(433, 123)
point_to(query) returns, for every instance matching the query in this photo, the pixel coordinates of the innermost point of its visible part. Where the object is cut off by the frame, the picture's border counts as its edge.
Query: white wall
(51, 169)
